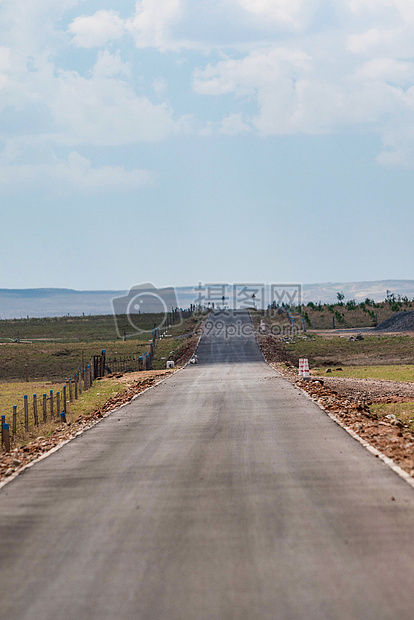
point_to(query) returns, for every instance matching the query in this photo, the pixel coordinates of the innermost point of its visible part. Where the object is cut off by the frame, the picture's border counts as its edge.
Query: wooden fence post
(35, 416)
(51, 404)
(44, 407)
(76, 386)
(90, 380)
(102, 365)
(6, 436)
(14, 420)
(26, 372)
(26, 414)
(94, 368)
(85, 385)
(70, 391)
(80, 380)
(58, 402)
(3, 421)
(64, 398)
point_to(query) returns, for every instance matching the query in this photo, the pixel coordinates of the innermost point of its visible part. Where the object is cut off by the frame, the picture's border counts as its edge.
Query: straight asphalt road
(223, 493)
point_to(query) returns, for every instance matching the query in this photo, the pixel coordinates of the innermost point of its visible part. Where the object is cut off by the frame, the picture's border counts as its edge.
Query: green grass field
(403, 372)
(76, 329)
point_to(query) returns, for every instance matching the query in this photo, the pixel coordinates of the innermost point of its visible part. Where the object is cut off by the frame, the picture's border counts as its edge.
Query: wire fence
(41, 408)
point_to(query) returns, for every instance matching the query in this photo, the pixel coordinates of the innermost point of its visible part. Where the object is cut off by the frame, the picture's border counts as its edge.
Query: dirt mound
(400, 322)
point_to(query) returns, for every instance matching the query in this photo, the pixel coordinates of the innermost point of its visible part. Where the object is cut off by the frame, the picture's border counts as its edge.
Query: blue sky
(185, 141)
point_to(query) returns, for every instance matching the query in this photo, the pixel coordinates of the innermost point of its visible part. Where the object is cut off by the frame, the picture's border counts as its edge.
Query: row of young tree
(396, 303)
(342, 311)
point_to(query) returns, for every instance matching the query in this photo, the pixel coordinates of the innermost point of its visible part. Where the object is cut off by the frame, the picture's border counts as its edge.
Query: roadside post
(6, 436)
(14, 420)
(26, 413)
(35, 416)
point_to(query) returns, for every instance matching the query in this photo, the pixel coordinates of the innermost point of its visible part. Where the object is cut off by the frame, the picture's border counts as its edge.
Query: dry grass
(392, 372)
(402, 411)
(88, 402)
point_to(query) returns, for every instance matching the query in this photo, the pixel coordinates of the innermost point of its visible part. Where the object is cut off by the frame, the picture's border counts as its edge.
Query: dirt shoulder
(372, 390)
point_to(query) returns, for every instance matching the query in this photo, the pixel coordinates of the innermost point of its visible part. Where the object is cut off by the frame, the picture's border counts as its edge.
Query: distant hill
(42, 302)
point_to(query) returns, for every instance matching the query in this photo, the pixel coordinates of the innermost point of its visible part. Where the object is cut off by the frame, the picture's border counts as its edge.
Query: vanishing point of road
(222, 493)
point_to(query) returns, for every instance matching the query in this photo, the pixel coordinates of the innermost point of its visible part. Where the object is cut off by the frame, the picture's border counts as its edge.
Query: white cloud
(97, 29)
(387, 70)
(152, 22)
(106, 111)
(233, 125)
(294, 13)
(317, 78)
(360, 5)
(5, 63)
(295, 94)
(149, 26)
(372, 40)
(78, 172)
(111, 65)
(405, 8)
(275, 79)
(245, 76)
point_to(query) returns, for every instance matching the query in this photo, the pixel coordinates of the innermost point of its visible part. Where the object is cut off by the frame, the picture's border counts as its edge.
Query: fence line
(51, 406)
(83, 381)
(54, 404)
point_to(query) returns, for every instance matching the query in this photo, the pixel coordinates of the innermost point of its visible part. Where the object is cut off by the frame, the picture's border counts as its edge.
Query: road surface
(223, 493)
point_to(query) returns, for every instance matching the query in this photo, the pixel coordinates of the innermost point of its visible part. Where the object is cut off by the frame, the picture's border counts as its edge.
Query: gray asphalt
(223, 493)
